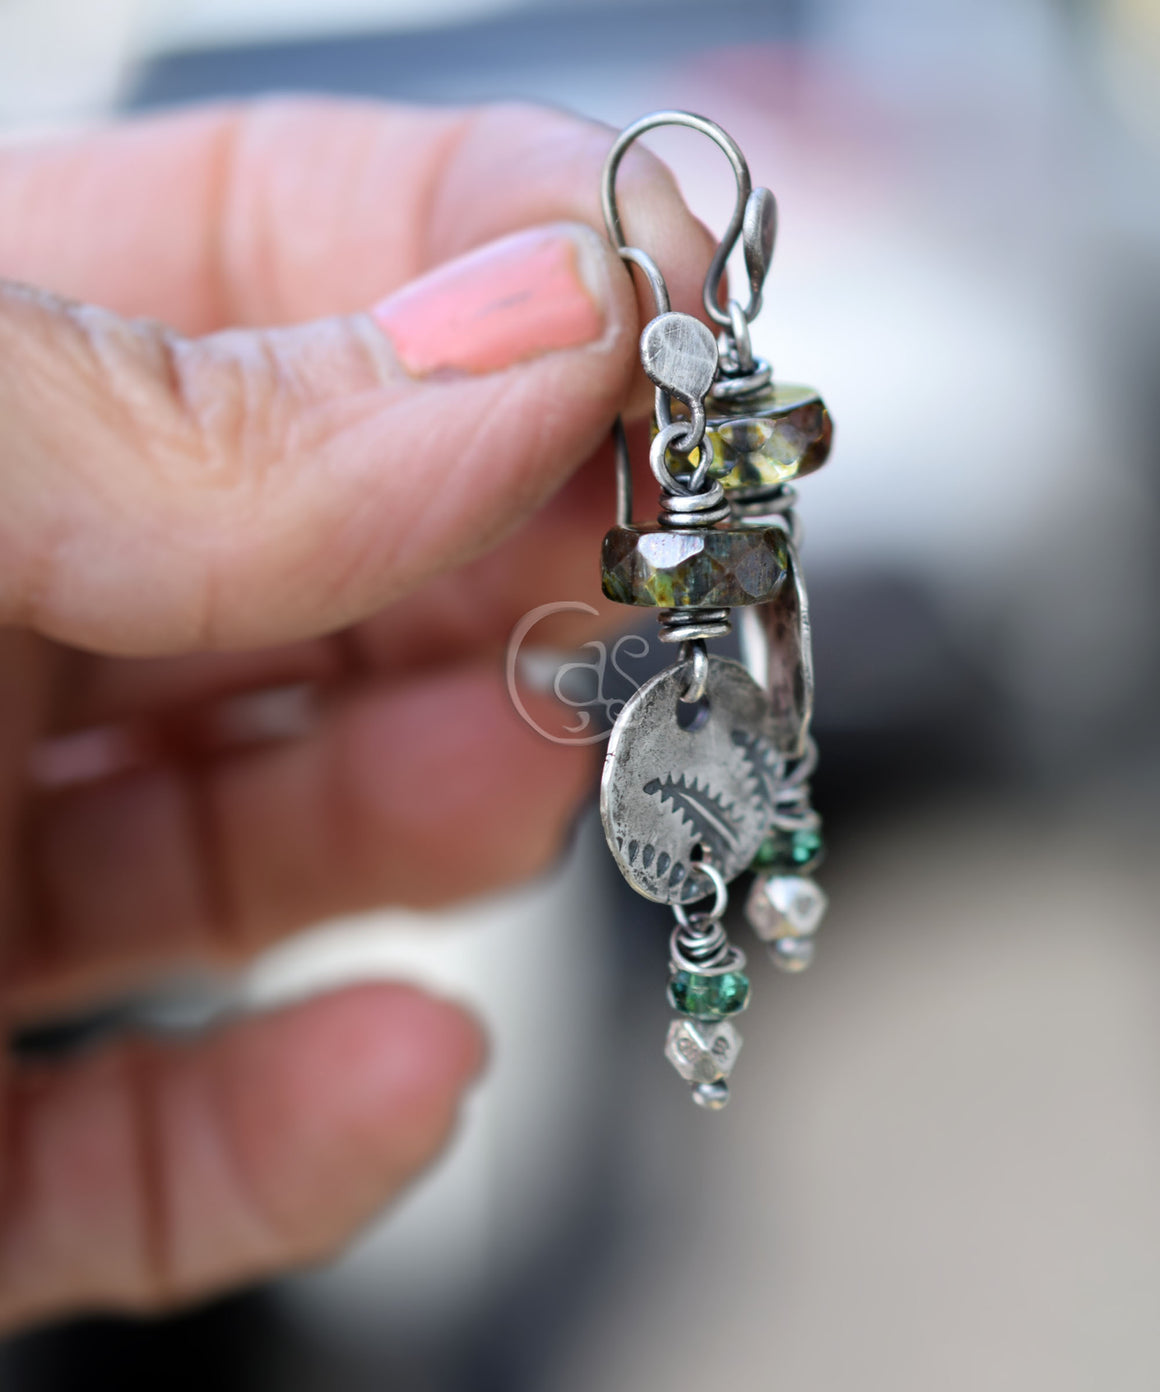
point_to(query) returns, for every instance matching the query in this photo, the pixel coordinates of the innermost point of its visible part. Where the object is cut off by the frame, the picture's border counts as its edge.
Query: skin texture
(337, 423)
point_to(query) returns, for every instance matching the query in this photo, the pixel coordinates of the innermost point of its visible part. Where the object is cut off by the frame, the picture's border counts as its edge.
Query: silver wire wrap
(699, 943)
(680, 512)
(792, 810)
(769, 508)
(684, 625)
(737, 386)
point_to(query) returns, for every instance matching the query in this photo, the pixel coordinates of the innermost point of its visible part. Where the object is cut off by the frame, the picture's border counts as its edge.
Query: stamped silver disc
(671, 796)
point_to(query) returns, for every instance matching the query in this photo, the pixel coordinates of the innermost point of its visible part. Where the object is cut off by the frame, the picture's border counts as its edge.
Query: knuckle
(205, 414)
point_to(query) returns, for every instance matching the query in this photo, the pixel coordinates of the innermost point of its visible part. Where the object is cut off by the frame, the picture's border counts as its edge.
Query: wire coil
(733, 383)
(680, 511)
(699, 942)
(792, 810)
(684, 625)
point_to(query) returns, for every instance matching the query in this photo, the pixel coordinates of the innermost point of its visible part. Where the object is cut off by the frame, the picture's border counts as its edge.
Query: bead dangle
(708, 765)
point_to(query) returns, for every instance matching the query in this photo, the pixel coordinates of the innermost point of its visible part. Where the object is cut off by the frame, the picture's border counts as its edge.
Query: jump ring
(663, 440)
(739, 329)
(695, 653)
(720, 893)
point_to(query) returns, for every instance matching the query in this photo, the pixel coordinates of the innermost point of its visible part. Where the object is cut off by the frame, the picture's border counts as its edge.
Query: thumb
(159, 494)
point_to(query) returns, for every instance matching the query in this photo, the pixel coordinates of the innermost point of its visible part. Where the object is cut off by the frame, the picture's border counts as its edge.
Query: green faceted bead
(797, 852)
(708, 567)
(708, 997)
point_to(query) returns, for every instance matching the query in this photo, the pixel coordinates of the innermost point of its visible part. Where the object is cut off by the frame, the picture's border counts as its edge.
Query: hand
(196, 513)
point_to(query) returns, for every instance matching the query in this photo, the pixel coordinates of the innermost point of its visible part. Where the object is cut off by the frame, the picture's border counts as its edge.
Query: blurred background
(939, 1169)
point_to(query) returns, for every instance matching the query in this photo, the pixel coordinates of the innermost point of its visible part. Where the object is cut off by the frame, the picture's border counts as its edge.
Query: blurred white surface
(939, 1171)
(63, 59)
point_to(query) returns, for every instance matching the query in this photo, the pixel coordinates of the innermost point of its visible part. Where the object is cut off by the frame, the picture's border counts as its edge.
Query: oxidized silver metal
(793, 811)
(704, 949)
(671, 436)
(672, 796)
(680, 512)
(790, 660)
(652, 273)
(623, 474)
(683, 625)
(680, 356)
(657, 345)
(758, 234)
(702, 1051)
(706, 923)
(696, 655)
(729, 388)
(736, 347)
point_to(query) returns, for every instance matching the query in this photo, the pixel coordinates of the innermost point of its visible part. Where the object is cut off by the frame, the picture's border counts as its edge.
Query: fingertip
(380, 1053)
(152, 1172)
(339, 1101)
(415, 1045)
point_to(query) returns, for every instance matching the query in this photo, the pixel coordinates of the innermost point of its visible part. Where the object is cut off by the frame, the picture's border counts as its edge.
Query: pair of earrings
(708, 765)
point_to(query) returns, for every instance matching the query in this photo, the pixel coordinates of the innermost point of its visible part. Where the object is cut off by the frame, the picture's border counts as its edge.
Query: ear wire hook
(664, 415)
(754, 215)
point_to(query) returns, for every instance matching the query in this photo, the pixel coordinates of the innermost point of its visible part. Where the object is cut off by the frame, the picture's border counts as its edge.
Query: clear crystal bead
(785, 906)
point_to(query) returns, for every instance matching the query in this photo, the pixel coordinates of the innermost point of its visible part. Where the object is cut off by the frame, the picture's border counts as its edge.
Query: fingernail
(494, 307)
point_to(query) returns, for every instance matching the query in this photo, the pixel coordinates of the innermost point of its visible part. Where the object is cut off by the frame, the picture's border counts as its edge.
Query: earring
(708, 764)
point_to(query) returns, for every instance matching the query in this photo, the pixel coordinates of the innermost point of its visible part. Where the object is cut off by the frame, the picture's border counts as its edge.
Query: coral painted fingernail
(502, 304)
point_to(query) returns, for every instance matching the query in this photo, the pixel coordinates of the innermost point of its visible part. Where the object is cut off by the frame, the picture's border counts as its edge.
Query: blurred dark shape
(521, 53)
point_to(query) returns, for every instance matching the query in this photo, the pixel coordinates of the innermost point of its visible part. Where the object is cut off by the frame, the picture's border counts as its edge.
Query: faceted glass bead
(785, 906)
(790, 852)
(709, 997)
(778, 434)
(708, 567)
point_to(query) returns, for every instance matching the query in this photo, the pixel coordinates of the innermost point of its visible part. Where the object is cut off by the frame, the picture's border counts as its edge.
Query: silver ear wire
(754, 216)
